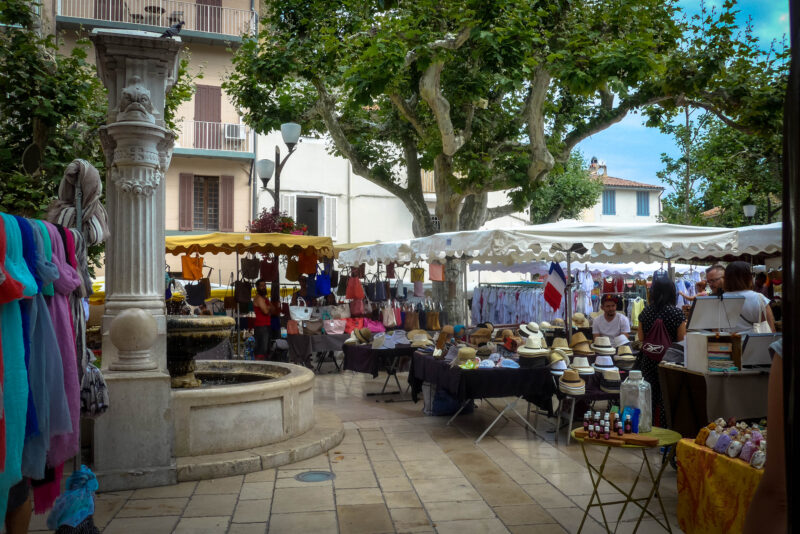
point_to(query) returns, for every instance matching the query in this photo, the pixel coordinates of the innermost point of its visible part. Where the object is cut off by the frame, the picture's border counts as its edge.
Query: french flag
(556, 284)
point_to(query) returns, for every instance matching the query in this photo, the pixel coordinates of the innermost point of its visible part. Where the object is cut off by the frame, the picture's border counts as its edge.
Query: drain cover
(314, 476)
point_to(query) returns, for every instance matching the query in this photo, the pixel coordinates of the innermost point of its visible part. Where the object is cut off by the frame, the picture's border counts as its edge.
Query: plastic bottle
(635, 392)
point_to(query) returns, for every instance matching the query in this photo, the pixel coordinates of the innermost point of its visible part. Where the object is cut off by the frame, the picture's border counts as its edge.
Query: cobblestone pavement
(397, 471)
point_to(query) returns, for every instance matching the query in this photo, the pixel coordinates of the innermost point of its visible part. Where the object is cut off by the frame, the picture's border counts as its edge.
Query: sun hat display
(352, 340)
(571, 384)
(558, 367)
(580, 345)
(558, 354)
(610, 381)
(420, 340)
(484, 351)
(417, 332)
(624, 357)
(602, 345)
(621, 339)
(558, 322)
(363, 335)
(464, 354)
(603, 362)
(533, 355)
(577, 338)
(481, 335)
(561, 343)
(545, 325)
(579, 320)
(378, 341)
(581, 365)
(530, 329)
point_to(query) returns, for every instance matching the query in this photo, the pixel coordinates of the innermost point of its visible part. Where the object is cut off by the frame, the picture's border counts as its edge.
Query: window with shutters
(437, 224)
(206, 203)
(643, 203)
(609, 202)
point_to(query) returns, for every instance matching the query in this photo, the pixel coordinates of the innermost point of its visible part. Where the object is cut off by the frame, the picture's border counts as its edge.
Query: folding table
(666, 438)
(365, 359)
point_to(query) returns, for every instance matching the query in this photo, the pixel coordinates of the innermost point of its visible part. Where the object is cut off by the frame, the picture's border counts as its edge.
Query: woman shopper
(662, 306)
(739, 283)
(263, 322)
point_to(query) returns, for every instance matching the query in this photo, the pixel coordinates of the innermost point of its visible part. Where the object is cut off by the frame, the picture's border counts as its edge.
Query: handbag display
(380, 291)
(323, 284)
(206, 284)
(195, 294)
(311, 287)
(399, 289)
(388, 317)
(352, 324)
(250, 268)
(341, 287)
(354, 289)
(269, 268)
(307, 262)
(340, 311)
(292, 327)
(192, 267)
(334, 326)
(436, 272)
(245, 307)
(334, 278)
(432, 320)
(417, 274)
(390, 270)
(374, 326)
(362, 270)
(411, 321)
(419, 291)
(369, 290)
(301, 312)
(312, 327)
(356, 307)
(292, 270)
(398, 317)
(242, 291)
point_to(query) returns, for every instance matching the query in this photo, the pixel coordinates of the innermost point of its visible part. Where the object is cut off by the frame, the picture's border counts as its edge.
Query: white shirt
(754, 303)
(611, 329)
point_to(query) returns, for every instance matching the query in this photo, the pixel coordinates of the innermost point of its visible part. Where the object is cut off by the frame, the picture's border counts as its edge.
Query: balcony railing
(162, 13)
(226, 136)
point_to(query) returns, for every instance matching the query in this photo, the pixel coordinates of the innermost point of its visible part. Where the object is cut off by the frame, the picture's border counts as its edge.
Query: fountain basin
(189, 335)
(226, 418)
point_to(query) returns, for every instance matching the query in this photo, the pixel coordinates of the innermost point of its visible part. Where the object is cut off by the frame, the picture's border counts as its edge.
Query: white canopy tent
(760, 239)
(390, 251)
(604, 269)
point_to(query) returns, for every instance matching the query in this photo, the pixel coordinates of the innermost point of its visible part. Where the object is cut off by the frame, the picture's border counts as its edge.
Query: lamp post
(749, 209)
(290, 132)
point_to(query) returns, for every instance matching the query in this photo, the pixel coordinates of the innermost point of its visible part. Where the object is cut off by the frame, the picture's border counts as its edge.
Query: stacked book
(720, 357)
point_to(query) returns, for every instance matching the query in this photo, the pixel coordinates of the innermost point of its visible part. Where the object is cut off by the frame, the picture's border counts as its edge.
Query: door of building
(208, 117)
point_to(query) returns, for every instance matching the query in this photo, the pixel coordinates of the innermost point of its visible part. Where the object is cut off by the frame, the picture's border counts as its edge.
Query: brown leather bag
(432, 320)
(411, 321)
(312, 327)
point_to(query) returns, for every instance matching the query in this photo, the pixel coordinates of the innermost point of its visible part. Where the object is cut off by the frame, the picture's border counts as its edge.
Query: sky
(633, 151)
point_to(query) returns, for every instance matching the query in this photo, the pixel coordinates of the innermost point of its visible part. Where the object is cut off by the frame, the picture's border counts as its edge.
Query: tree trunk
(452, 293)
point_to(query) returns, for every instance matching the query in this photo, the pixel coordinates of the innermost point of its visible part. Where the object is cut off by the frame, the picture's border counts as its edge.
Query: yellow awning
(230, 242)
(341, 247)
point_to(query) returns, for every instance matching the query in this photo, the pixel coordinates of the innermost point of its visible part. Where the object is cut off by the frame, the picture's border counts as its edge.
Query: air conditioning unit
(234, 132)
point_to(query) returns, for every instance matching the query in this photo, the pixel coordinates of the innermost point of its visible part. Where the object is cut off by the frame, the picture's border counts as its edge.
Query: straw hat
(352, 340)
(558, 354)
(420, 340)
(579, 320)
(558, 367)
(595, 315)
(610, 381)
(530, 329)
(484, 352)
(363, 335)
(621, 339)
(558, 322)
(602, 345)
(417, 332)
(571, 383)
(465, 353)
(577, 338)
(481, 335)
(581, 365)
(533, 347)
(545, 325)
(624, 357)
(561, 343)
(604, 363)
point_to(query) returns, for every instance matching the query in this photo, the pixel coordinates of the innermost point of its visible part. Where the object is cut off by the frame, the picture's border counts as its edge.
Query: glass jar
(635, 392)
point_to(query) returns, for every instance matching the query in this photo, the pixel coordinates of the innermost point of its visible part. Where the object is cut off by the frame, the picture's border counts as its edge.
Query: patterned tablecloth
(714, 490)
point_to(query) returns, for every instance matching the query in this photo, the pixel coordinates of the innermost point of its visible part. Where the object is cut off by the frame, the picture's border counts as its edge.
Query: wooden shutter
(330, 217)
(208, 117)
(226, 204)
(289, 205)
(185, 201)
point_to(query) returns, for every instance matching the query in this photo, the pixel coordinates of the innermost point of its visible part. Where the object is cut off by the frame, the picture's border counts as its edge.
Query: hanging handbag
(340, 311)
(195, 294)
(354, 289)
(417, 274)
(205, 283)
(436, 272)
(334, 278)
(242, 291)
(311, 287)
(292, 270)
(192, 267)
(411, 321)
(362, 270)
(323, 284)
(374, 326)
(390, 270)
(307, 261)
(419, 291)
(388, 317)
(301, 312)
(250, 268)
(269, 268)
(312, 327)
(341, 287)
(229, 300)
(292, 327)
(356, 308)
(369, 290)
(353, 323)
(399, 289)
(432, 320)
(380, 291)
(334, 326)
(398, 317)
(245, 307)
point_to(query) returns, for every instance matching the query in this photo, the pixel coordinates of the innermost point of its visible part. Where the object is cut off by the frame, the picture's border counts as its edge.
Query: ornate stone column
(137, 68)
(134, 441)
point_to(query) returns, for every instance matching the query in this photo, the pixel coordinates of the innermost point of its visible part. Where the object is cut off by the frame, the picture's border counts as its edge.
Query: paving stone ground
(397, 471)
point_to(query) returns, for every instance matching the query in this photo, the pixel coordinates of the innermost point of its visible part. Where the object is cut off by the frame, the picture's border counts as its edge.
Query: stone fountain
(154, 434)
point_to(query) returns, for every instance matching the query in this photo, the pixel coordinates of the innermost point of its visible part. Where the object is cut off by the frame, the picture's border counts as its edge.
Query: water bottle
(635, 392)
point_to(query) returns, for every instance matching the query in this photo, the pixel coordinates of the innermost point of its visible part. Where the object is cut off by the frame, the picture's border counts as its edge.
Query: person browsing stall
(700, 291)
(715, 276)
(611, 324)
(261, 329)
(301, 293)
(739, 283)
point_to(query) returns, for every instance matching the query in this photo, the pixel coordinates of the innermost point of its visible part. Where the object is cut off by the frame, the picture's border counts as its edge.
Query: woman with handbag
(262, 327)
(302, 292)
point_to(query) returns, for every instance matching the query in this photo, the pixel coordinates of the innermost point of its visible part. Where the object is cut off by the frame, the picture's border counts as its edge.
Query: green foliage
(566, 192)
(183, 90)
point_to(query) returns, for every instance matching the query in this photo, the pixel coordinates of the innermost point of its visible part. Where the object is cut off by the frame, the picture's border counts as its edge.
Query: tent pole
(236, 309)
(568, 298)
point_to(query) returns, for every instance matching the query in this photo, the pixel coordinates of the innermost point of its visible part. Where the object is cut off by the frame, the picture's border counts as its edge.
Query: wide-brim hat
(561, 343)
(529, 329)
(610, 381)
(558, 354)
(602, 345)
(571, 383)
(579, 320)
(582, 349)
(533, 347)
(500, 335)
(545, 324)
(483, 352)
(624, 352)
(558, 322)
(419, 341)
(604, 363)
(417, 332)
(487, 324)
(581, 365)
(481, 335)
(444, 336)
(621, 340)
(558, 367)
(352, 340)
(577, 338)
(625, 364)
(363, 335)
(465, 353)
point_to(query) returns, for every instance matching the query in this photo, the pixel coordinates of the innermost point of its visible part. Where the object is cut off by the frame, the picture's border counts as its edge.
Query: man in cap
(611, 324)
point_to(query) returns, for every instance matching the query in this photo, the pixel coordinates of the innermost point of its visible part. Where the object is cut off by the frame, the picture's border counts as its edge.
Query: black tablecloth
(365, 359)
(301, 346)
(536, 385)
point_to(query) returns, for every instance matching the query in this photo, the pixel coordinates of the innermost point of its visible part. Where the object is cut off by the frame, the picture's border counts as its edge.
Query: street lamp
(290, 131)
(749, 209)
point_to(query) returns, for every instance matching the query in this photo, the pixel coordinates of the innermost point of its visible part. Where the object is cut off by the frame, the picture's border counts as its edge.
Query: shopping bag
(192, 267)
(323, 284)
(374, 326)
(269, 268)
(341, 287)
(312, 327)
(250, 268)
(340, 311)
(195, 294)
(334, 326)
(353, 323)
(411, 321)
(389, 318)
(242, 291)
(436, 272)
(418, 289)
(307, 261)
(390, 270)
(417, 274)
(301, 312)
(380, 291)
(356, 307)
(354, 289)
(292, 327)
(369, 290)
(292, 270)
(311, 287)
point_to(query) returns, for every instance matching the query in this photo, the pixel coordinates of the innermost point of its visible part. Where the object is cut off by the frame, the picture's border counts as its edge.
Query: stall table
(301, 347)
(693, 399)
(534, 385)
(714, 490)
(666, 438)
(365, 359)
(593, 394)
